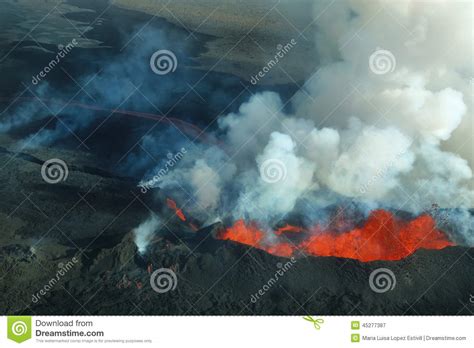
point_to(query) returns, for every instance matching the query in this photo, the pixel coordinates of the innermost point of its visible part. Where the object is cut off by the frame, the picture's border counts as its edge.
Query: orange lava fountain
(172, 205)
(382, 237)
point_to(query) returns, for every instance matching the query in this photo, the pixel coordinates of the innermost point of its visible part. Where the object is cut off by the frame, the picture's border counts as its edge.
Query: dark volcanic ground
(92, 213)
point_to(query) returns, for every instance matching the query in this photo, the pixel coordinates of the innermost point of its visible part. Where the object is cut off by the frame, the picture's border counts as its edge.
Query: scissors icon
(471, 298)
(316, 322)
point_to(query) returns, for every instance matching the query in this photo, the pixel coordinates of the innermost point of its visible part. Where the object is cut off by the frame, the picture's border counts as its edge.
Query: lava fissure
(173, 206)
(382, 237)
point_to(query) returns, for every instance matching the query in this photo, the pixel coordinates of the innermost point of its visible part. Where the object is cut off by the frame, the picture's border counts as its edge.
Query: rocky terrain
(69, 247)
(243, 36)
(246, 33)
(45, 226)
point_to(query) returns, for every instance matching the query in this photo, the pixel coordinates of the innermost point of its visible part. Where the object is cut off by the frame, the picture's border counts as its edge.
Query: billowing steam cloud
(386, 120)
(145, 231)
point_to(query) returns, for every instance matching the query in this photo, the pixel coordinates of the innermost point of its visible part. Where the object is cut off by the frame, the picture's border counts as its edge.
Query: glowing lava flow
(382, 237)
(179, 213)
(172, 205)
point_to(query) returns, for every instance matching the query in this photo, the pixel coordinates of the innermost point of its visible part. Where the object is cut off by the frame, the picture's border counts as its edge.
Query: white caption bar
(238, 332)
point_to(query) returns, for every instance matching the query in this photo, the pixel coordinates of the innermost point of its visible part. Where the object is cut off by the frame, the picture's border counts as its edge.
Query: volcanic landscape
(202, 191)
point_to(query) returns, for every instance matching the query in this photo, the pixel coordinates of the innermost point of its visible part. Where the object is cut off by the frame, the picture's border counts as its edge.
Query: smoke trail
(145, 231)
(111, 81)
(384, 121)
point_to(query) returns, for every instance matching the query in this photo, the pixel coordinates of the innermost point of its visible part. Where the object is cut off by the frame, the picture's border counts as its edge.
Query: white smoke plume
(145, 232)
(387, 119)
